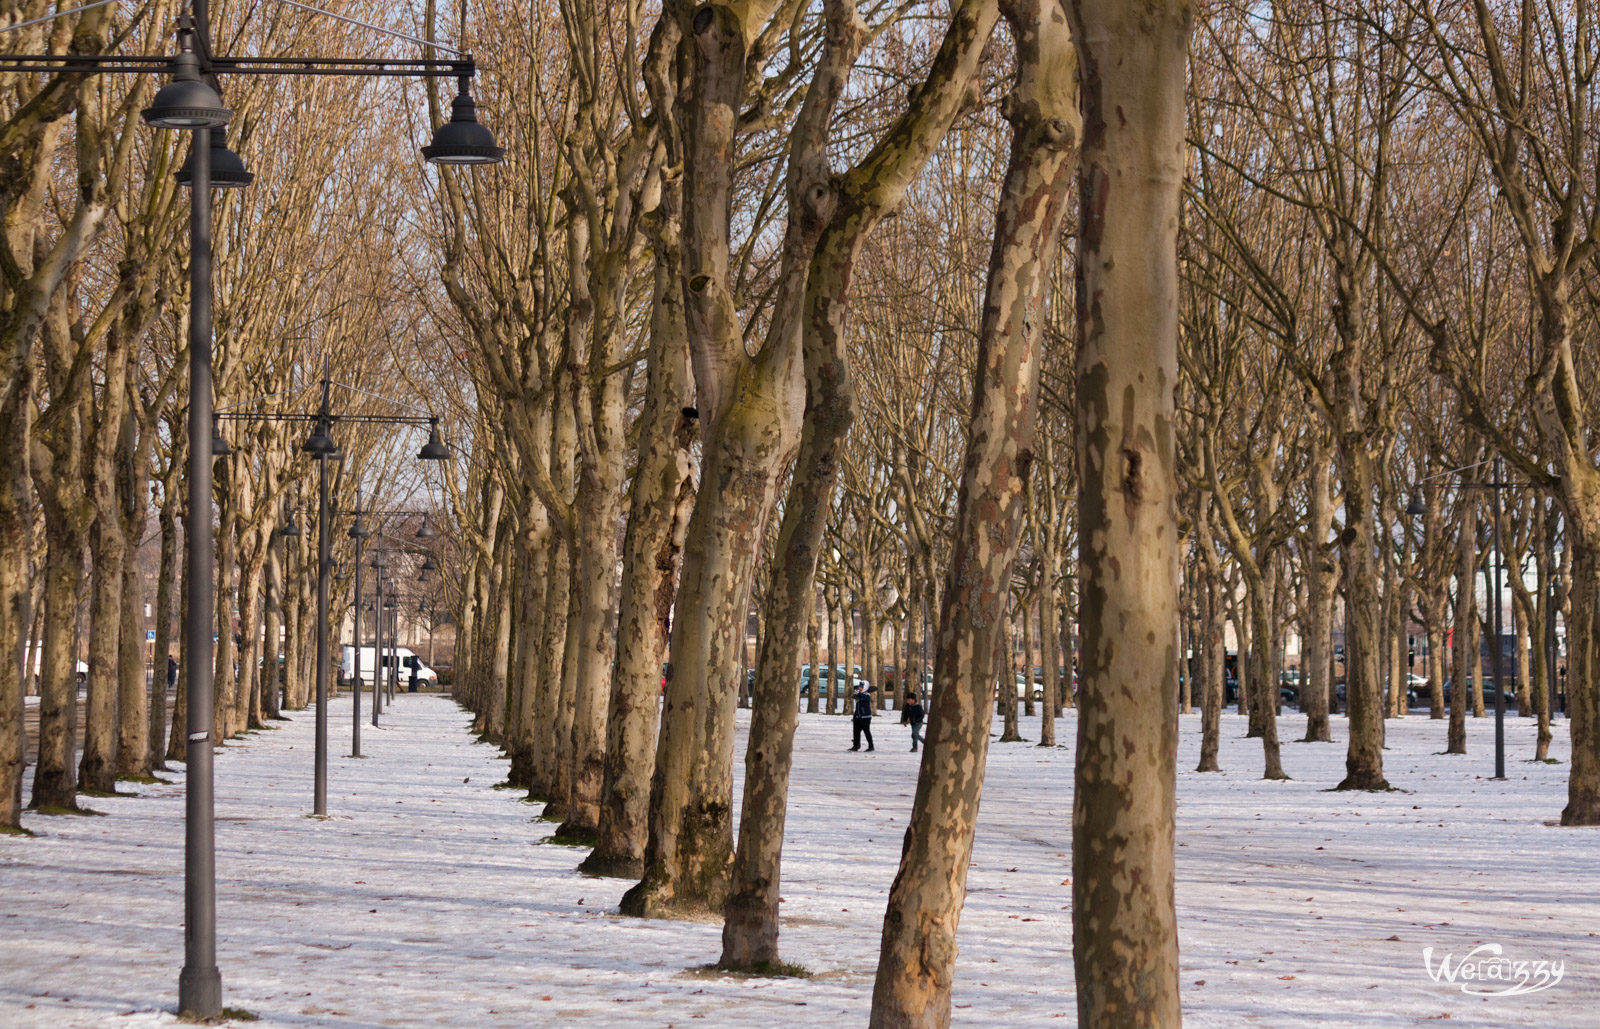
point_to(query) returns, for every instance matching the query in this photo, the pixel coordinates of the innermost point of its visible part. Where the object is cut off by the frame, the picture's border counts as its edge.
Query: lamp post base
(200, 992)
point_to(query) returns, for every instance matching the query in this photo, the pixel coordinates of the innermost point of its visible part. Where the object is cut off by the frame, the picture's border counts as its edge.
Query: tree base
(1365, 784)
(62, 809)
(758, 970)
(578, 832)
(1577, 815)
(646, 900)
(612, 866)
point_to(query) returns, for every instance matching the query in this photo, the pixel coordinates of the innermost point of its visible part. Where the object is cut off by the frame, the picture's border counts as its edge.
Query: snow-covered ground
(430, 898)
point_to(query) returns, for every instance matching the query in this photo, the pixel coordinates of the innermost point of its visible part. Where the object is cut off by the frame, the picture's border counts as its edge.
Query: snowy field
(430, 898)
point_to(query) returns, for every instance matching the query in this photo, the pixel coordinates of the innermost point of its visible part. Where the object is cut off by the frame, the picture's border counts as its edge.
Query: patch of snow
(429, 897)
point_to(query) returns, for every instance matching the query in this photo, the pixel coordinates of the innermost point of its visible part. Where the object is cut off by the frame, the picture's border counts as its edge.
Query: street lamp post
(191, 102)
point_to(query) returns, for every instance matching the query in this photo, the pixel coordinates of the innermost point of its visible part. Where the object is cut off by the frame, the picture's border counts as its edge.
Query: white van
(409, 662)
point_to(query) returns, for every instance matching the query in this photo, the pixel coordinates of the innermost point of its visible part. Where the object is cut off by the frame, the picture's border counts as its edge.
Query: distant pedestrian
(172, 673)
(861, 722)
(415, 680)
(912, 714)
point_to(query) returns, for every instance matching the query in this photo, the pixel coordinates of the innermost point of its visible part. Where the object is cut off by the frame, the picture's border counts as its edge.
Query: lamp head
(219, 446)
(320, 443)
(186, 102)
(434, 449)
(1416, 509)
(427, 531)
(227, 168)
(290, 530)
(461, 140)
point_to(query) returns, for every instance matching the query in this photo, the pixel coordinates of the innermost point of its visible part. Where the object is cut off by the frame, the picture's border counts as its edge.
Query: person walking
(172, 673)
(912, 714)
(861, 721)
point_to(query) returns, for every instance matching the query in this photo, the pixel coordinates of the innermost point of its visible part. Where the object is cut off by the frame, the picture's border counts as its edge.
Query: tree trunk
(1027, 658)
(1363, 685)
(1125, 943)
(177, 738)
(247, 696)
(133, 713)
(1462, 657)
(97, 770)
(16, 526)
(1048, 654)
(502, 611)
(1005, 680)
(1583, 663)
(1211, 658)
(272, 636)
(226, 720)
(54, 778)
(689, 848)
(1315, 686)
(1264, 708)
(917, 956)
(663, 490)
(521, 703)
(567, 687)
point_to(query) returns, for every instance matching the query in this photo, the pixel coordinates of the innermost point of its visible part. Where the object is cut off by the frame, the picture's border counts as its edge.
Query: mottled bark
(553, 645)
(271, 688)
(918, 950)
(1048, 635)
(689, 847)
(1210, 656)
(247, 695)
(133, 713)
(749, 411)
(658, 516)
(1125, 943)
(497, 663)
(1583, 664)
(1463, 657)
(68, 514)
(567, 688)
(108, 550)
(225, 716)
(1363, 638)
(177, 742)
(1315, 687)
(54, 777)
(524, 685)
(16, 522)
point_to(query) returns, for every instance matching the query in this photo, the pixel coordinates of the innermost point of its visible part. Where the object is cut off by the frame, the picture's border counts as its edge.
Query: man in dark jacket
(912, 714)
(862, 719)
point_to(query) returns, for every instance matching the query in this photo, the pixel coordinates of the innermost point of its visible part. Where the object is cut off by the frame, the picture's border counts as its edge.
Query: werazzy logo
(1487, 972)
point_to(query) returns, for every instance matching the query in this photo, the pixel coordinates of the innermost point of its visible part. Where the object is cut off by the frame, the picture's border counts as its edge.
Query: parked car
(408, 661)
(1488, 693)
(844, 681)
(1230, 693)
(1023, 686)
